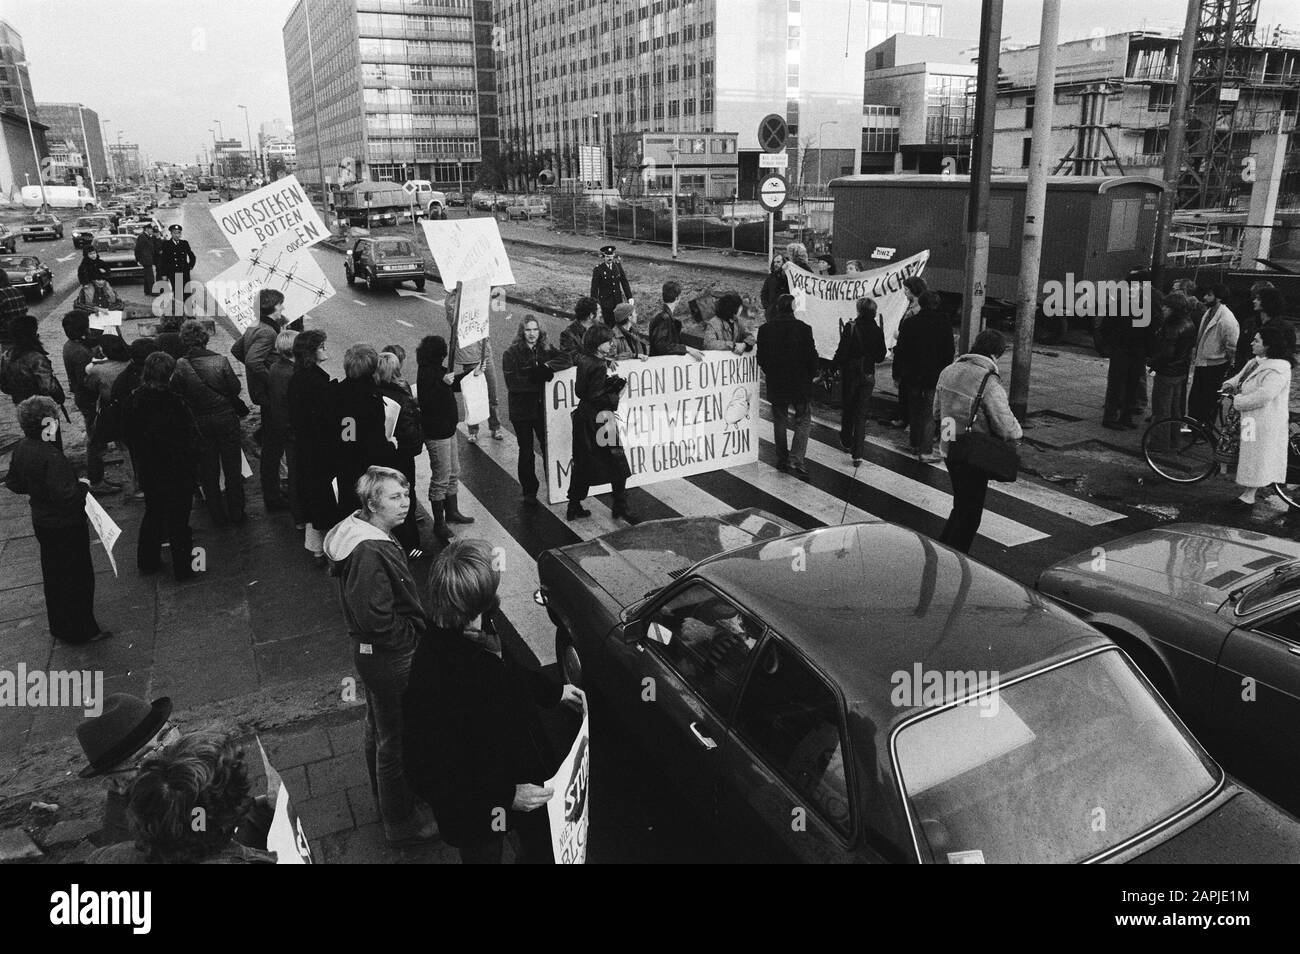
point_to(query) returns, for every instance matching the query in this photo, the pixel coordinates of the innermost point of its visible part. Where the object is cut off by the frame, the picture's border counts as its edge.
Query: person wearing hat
(174, 260)
(628, 340)
(609, 284)
(146, 245)
(115, 742)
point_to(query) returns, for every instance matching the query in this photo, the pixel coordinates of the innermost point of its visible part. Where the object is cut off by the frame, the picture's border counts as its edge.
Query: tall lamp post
(90, 169)
(248, 132)
(40, 176)
(673, 153)
(216, 158)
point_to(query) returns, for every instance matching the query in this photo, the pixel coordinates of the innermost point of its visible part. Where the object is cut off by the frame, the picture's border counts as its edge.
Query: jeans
(219, 454)
(1125, 374)
(444, 460)
(527, 470)
(1168, 399)
(385, 675)
(490, 373)
(94, 449)
(853, 415)
(68, 577)
(969, 487)
(166, 516)
(920, 411)
(1203, 400)
(800, 421)
(273, 448)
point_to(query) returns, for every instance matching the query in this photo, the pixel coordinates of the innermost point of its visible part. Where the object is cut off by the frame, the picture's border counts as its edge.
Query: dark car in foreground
(384, 261)
(42, 226)
(1212, 617)
(27, 274)
(862, 693)
(117, 252)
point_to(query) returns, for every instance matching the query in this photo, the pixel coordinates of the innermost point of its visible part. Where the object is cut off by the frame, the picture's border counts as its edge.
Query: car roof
(866, 601)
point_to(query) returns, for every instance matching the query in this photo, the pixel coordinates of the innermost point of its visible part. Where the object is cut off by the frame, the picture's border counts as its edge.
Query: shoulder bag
(996, 459)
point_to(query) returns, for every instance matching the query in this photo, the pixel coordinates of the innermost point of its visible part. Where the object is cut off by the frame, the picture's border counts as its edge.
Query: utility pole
(90, 169)
(1035, 208)
(1176, 143)
(977, 215)
(36, 156)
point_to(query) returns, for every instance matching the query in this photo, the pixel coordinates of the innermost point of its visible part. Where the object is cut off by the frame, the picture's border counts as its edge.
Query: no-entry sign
(772, 192)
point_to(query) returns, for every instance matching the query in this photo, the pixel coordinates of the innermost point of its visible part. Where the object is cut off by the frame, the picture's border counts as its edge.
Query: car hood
(1245, 829)
(630, 563)
(1193, 563)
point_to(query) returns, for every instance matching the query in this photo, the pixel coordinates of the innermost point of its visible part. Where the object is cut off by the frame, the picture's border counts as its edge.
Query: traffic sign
(773, 160)
(410, 188)
(772, 132)
(772, 192)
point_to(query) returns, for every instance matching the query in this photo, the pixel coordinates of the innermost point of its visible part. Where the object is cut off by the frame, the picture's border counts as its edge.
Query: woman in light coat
(1261, 391)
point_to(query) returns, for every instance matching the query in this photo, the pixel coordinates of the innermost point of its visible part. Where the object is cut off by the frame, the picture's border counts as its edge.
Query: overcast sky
(160, 71)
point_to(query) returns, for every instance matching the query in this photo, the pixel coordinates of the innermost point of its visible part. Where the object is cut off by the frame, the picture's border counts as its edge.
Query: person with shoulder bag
(977, 432)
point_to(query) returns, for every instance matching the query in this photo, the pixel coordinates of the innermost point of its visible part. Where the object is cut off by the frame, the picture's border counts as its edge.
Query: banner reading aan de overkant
(826, 302)
(676, 417)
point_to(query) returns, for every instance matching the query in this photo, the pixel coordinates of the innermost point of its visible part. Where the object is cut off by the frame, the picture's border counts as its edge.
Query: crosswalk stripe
(822, 506)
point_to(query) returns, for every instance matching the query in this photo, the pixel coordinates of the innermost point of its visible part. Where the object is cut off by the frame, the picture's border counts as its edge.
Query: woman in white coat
(1261, 394)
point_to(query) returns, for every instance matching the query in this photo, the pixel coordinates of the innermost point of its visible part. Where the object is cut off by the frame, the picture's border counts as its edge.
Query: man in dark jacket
(924, 349)
(665, 332)
(609, 284)
(146, 244)
(584, 314)
(76, 357)
(358, 411)
(862, 347)
(210, 389)
(1170, 357)
(788, 357)
(1128, 344)
(174, 259)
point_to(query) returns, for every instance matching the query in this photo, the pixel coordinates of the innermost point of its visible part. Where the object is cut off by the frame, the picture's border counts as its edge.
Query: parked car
(528, 207)
(118, 253)
(490, 201)
(191, 187)
(455, 198)
(1211, 615)
(134, 227)
(178, 190)
(384, 261)
(42, 226)
(8, 239)
(776, 674)
(87, 227)
(28, 275)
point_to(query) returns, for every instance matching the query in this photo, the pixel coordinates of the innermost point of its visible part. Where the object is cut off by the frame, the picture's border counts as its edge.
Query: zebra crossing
(1028, 525)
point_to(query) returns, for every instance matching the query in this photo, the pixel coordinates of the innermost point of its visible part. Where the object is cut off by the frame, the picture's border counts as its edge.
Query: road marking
(67, 258)
(405, 323)
(407, 293)
(361, 303)
(801, 495)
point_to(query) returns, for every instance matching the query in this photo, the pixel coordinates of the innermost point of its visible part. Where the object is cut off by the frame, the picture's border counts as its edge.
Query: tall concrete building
(124, 160)
(74, 133)
(886, 18)
(386, 89)
(19, 163)
(574, 77)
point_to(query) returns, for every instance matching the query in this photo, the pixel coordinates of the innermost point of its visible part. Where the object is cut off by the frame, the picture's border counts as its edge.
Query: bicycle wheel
(1290, 490)
(1180, 450)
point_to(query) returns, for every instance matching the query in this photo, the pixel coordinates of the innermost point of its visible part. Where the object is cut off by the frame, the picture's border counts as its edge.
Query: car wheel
(566, 656)
(419, 284)
(347, 273)
(371, 284)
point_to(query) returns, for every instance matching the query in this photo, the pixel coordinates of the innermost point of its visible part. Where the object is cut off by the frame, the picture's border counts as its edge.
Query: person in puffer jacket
(386, 620)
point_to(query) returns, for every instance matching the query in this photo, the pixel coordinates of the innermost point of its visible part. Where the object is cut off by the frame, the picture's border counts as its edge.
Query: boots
(620, 509)
(440, 528)
(576, 511)
(453, 512)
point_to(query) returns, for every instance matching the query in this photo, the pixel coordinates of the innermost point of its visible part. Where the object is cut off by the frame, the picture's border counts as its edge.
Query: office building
(886, 18)
(124, 161)
(19, 163)
(75, 140)
(391, 90)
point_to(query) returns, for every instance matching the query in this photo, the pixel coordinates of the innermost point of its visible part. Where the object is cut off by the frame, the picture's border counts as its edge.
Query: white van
(427, 198)
(59, 197)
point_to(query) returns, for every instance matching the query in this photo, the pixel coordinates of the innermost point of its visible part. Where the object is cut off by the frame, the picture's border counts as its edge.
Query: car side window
(707, 640)
(790, 716)
(1284, 626)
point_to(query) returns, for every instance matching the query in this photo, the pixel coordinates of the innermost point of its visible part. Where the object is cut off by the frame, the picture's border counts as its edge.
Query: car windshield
(41, 220)
(1055, 768)
(92, 223)
(393, 250)
(19, 262)
(115, 243)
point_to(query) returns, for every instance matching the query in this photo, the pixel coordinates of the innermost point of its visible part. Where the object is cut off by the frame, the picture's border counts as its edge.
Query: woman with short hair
(310, 396)
(475, 748)
(386, 620)
(208, 385)
(1260, 394)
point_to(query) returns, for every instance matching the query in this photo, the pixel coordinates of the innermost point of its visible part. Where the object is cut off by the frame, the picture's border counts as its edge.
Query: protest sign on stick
(107, 530)
(468, 248)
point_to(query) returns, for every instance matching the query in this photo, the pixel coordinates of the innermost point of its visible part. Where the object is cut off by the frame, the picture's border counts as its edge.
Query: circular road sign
(772, 133)
(772, 191)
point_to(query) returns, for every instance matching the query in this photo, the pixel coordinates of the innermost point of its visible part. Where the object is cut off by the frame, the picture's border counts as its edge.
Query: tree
(276, 167)
(626, 153)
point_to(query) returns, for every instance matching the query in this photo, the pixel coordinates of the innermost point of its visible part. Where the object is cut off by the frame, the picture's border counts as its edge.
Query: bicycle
(1184, 450)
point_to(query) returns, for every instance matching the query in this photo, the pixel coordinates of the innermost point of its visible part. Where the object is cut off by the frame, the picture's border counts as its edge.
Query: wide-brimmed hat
(121, 730)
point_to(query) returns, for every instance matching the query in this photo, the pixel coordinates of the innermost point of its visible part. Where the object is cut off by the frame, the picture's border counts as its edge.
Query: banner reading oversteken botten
(676, 417)
(280, 210)
(826, 302)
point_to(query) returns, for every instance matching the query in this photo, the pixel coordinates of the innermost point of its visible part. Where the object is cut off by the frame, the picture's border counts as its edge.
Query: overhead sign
(772, 192)
(772, 132)
(774, 160)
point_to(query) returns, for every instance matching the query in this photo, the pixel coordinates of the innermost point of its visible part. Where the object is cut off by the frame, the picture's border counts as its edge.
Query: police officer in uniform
(609, 284)
(174, 259)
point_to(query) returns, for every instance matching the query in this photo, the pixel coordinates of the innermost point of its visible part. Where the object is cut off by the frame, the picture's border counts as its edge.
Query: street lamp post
(90, 169)
(40, 177)
(248, 132)
(673, 153)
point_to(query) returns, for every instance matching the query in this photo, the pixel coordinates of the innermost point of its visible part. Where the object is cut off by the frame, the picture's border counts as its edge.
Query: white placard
(827, 301)
(237, 298)
(676, 417)
(466, 249)
(568, 807)
(295, 274)
(472, 315)
(392, 410)
(104, 526)
(245, 469)
(106, 320)
(285, 837)
(473, 388)
(279, 211)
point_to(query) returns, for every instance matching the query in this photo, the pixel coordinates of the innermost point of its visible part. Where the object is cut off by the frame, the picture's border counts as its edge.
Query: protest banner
(110, 321)
(473, 388)
(472, 314)
(676, 417)
(827, 301)
(104, 527)
(280, 210)
(245, 469)
(285, 837)
(568, 808)
(466, 249)
(236, 297)
(295, 274)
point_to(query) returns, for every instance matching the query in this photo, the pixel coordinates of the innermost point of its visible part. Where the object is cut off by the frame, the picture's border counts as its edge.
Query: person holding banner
(598, 456)
(925, 348)
(584, 316)
(775, 285)
(913, 288)
(788, 357)
(726, 330)
(628, 342)
(476, 354)
(528, 364)
(862, 347)
(39, 469)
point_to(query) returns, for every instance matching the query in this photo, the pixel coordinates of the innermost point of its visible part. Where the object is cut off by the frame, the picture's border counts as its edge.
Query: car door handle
(700, 737)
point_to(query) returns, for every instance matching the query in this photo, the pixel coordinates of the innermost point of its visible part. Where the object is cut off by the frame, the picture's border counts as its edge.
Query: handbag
(995, 459)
